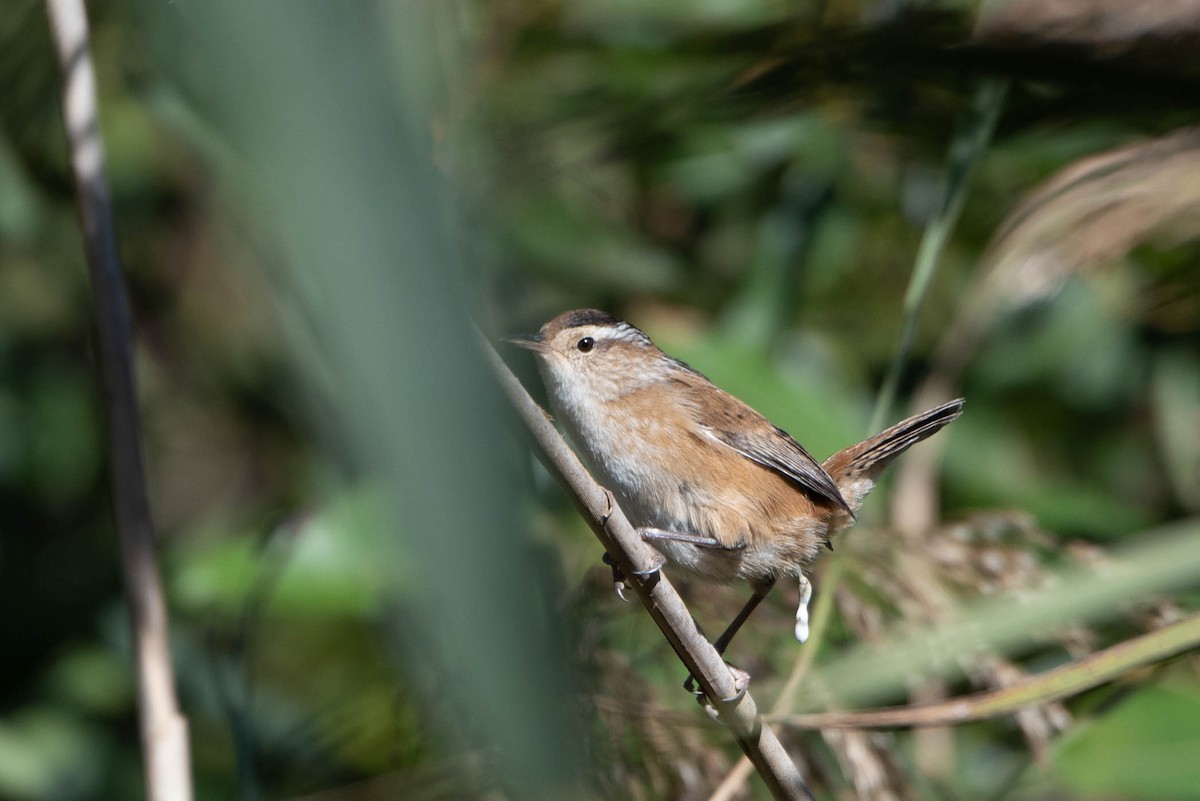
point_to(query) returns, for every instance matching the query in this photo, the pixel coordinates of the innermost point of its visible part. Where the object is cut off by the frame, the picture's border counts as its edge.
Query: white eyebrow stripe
(623, 332)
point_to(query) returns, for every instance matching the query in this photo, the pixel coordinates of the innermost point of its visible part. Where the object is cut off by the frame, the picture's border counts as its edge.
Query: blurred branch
(163, 729)
(1053, 685)
(623, 543)
(1144, 59)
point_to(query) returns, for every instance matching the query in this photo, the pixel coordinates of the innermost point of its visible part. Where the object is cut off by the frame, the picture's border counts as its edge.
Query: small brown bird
(708, 481)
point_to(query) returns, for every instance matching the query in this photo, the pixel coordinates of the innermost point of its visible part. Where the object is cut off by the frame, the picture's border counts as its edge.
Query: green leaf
(328, 564)
(48, 754)
(1146, 748)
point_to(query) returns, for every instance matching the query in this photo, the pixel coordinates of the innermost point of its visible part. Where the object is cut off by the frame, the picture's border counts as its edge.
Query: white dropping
(802, 608)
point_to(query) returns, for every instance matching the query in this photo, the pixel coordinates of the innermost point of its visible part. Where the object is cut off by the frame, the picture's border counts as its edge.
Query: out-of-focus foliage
(748, 181)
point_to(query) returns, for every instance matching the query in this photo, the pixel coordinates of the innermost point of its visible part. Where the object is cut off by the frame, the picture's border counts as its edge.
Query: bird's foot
(619, 583)
(618, 577)
(741, 682)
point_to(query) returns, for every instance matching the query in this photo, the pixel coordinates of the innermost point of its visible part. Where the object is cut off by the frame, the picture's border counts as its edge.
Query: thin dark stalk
(163, 729)
(757, 741)
(974, 132)
(233, 670)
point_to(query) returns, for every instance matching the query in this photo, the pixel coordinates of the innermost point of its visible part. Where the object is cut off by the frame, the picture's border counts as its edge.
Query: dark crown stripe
(588, 317)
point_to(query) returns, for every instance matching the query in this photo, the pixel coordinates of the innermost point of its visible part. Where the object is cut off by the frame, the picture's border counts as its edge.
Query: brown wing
(749, 433)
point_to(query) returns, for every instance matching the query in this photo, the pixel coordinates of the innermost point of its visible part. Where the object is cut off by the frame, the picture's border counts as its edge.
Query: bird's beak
(532, 342)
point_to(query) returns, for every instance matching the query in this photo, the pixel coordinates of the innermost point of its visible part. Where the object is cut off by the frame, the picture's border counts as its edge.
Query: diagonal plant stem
(1053, 685)
(163, 728)
(598, 508)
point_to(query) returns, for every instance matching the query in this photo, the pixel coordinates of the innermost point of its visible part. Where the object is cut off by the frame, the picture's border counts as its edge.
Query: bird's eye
(586, 344)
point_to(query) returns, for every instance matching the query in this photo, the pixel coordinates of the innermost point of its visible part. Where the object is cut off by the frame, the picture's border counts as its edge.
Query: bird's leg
(652, 534)
(760, 592)
(741, 679)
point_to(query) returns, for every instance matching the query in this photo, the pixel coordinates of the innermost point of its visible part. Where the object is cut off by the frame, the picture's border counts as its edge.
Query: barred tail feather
(855, 469)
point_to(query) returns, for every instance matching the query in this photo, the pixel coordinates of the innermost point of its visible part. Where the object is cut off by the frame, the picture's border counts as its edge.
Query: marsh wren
(722, 493)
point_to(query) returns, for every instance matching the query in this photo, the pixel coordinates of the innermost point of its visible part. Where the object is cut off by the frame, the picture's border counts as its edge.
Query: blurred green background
(377, 594)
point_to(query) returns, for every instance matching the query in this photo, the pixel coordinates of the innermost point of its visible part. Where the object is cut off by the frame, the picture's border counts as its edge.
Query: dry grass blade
(1056, 684)
(1085, 217)
(1095, 211)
